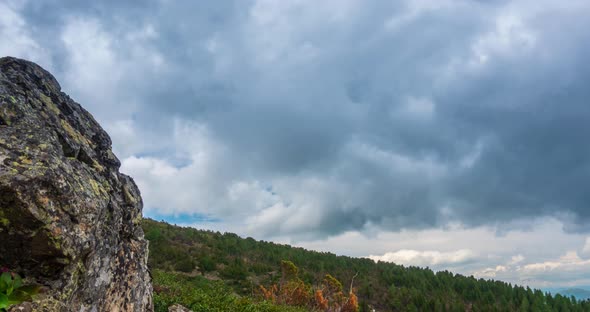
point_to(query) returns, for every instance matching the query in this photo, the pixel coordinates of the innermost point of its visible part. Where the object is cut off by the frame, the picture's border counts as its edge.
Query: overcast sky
(443, 133)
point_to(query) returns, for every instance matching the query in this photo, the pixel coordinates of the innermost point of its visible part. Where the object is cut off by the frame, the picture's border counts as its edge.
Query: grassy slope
(202, 295)
(184, 262)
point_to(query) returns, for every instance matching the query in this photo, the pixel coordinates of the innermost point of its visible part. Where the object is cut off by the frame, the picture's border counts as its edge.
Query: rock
(23, 307)
(69, 220)
(178, 308)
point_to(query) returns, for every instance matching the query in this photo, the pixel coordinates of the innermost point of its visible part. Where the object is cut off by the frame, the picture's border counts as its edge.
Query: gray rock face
(69, 220)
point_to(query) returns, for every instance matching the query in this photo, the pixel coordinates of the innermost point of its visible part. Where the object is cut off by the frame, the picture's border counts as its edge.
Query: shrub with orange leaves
(320, 301)
(291, 290)
(269, 294)
(334, 298)
(352, 304)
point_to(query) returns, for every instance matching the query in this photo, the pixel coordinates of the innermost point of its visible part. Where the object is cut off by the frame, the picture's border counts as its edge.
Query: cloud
(16, 37)
(417, 107)
(567, 270)
(417, 113)
(490, 272)
(99, 62)
(516, 259)
(509, 37)
(426, 258)
(308, 121)
(171, 186)
(569, 261)
(483, 254)
(586, 248)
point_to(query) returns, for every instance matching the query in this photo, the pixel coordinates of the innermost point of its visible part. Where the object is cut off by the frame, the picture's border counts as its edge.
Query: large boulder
(69, 220)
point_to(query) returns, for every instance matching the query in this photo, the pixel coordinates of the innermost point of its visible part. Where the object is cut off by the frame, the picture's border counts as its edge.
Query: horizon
(442, 134)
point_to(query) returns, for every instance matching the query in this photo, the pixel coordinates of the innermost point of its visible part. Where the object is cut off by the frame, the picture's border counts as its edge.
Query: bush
(200, 295)
(206, 264)
(186, 265)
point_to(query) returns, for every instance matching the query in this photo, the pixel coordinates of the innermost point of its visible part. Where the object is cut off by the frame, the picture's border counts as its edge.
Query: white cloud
(195, 188)
(567, 270)
(586, 248)
(308, 203)
(516, 259)
(16, 36)
(93, 69)
(568, 262)
(511, 37)
(426, 258)
(101, 62)
(125, 130)
(490, 272)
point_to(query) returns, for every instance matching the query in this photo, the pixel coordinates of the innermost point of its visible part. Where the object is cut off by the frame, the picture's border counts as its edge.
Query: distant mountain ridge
(579, 293)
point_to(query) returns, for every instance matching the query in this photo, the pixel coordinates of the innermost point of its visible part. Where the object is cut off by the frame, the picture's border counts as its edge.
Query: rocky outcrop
(69, 220)
(178, 308)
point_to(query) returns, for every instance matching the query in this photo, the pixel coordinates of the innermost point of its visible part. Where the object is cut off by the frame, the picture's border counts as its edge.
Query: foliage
(292, 291)
(244, 264)
(185, 265)
(12, 290)
(200, 294)
(206, 264)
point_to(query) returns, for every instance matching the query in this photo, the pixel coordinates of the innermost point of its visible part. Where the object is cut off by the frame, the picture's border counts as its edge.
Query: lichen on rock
(68, 217)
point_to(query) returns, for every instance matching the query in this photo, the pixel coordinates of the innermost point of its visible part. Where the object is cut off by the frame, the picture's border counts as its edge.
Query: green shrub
(185, 265)
(202, 295)
(206, 264)
(12, 290)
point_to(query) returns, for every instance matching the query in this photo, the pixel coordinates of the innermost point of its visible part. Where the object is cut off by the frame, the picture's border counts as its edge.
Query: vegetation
(12, 290)
(250, 279)
(202, 295)
(293, 291)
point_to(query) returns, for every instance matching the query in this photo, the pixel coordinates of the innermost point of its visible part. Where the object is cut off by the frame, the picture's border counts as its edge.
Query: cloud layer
(426, 258)
(312, 120)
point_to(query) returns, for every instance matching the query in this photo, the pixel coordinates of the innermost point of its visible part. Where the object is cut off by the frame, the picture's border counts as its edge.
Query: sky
(451, 134)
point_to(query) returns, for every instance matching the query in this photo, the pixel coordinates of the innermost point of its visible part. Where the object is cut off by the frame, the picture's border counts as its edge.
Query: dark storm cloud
(407, 115)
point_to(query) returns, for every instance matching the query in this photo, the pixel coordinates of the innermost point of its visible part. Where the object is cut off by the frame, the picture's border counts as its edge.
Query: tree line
(245, 265)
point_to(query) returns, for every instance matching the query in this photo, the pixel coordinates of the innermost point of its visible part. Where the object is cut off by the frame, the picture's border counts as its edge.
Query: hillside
(202, 269)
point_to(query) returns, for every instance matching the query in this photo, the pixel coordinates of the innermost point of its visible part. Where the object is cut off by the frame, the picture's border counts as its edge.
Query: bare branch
(352, 281)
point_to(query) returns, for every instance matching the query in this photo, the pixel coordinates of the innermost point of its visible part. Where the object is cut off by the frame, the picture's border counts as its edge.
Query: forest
(213, 271)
